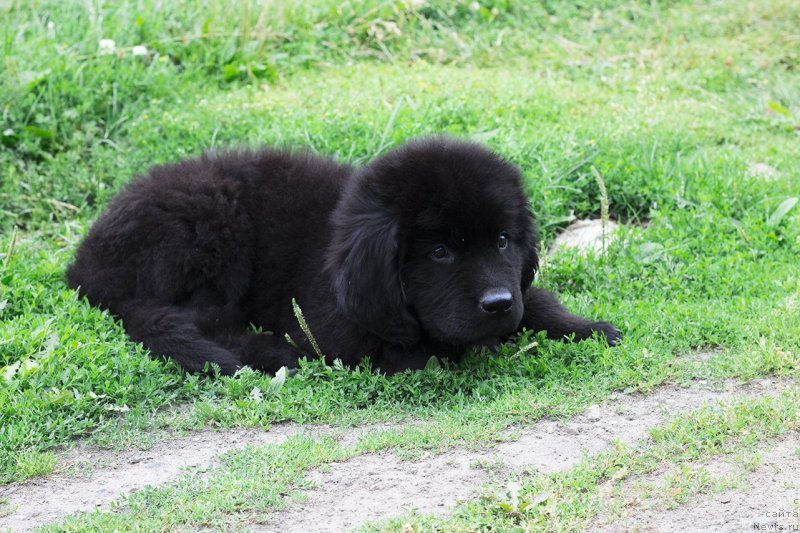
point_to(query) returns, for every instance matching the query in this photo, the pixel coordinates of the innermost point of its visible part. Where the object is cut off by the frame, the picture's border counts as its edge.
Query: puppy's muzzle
(497, 301)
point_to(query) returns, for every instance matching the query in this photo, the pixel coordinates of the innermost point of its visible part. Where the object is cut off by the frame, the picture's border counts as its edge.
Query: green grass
(671, 102)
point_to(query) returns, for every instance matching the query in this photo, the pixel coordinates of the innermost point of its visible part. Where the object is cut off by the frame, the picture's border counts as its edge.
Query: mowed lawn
(687, 112)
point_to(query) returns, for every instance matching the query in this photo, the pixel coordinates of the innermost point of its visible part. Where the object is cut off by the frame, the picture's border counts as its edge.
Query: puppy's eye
(440, 252)
(502, 241)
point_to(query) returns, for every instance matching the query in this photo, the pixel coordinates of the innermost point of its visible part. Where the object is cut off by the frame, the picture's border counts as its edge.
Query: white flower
(392, 27)
(107, 46)
(139, 50)
(475, 6)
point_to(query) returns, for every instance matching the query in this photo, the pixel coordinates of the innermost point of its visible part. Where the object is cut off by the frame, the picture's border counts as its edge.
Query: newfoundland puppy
(427, 250)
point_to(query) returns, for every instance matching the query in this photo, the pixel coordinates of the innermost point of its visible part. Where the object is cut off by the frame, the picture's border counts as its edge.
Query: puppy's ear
(364, 264)
(530, 259)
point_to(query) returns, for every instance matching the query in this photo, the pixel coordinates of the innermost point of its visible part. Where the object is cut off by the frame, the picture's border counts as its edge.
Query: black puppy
(429, 249)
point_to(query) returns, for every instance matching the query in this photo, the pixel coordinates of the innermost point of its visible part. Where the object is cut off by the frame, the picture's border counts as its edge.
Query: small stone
(762, 170)
(585, 235)
(593, 412)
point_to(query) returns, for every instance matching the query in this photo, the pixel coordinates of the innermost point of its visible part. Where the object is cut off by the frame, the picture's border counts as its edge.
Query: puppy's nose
(496, 301)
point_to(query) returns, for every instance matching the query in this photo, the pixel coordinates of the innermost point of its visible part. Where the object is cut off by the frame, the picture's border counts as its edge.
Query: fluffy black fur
(429, 249)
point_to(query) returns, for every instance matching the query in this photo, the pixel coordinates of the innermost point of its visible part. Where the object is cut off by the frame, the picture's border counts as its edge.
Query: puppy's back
(196, 224)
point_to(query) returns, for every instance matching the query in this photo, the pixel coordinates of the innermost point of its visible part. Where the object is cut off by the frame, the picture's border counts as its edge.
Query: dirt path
(772, 502)
(367, 487)
(105, 475)
(376, 486)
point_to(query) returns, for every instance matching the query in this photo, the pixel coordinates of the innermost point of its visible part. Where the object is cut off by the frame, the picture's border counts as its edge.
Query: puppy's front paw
(607, 329)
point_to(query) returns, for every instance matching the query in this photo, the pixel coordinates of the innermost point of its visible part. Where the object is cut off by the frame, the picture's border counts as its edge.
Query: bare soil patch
(367, 487)
(772, 502)
(377, 486)
(107, 475)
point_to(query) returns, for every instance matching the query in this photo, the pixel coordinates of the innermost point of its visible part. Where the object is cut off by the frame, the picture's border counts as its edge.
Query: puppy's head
(436, 238)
